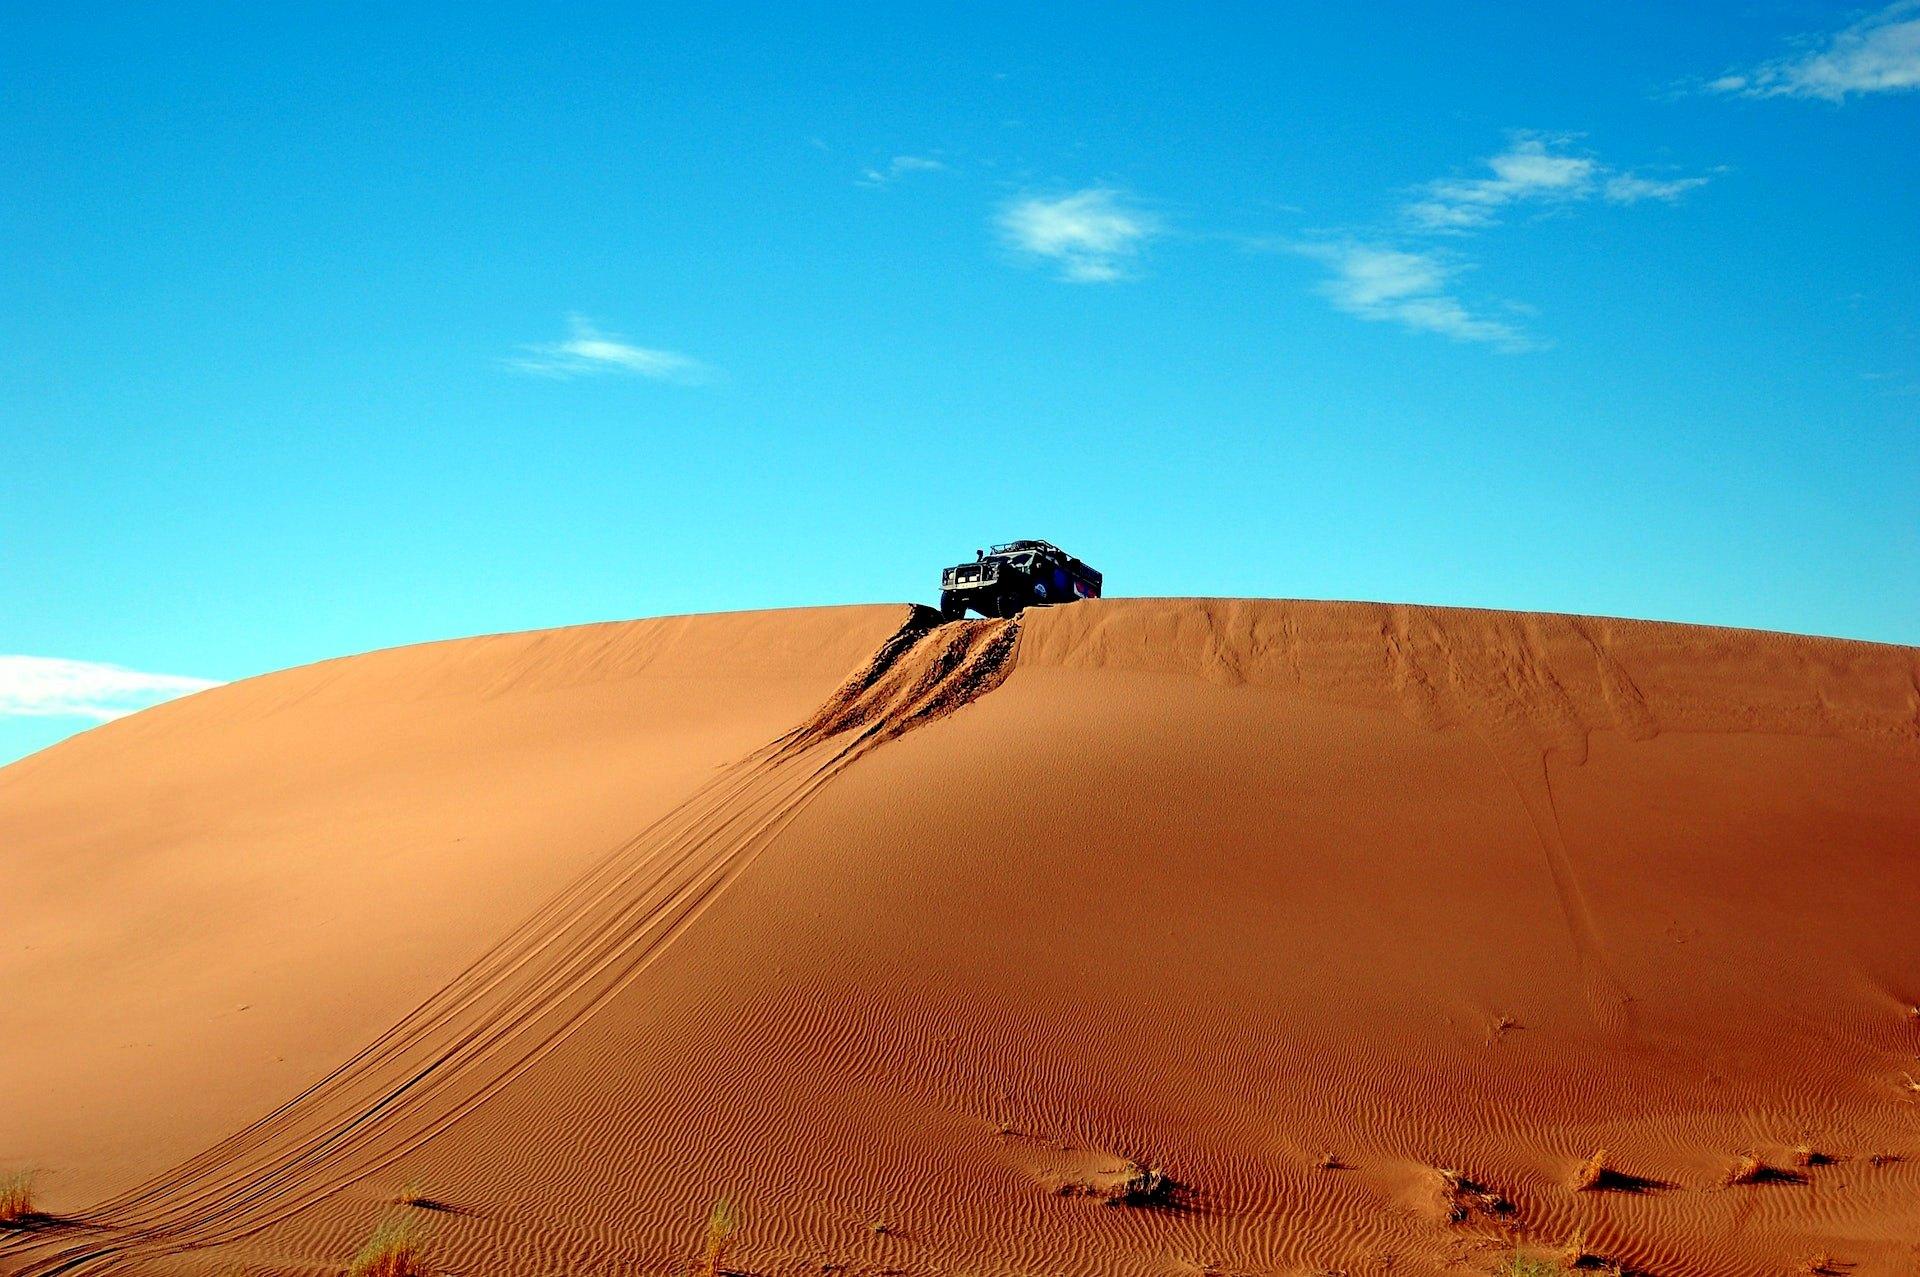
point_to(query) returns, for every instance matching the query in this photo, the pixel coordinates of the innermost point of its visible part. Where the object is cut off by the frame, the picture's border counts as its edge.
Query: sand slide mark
(1514, 703)
(533, 989)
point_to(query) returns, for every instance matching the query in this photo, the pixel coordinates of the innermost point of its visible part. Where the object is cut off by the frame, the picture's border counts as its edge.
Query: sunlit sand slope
(1368, 927)
(209, 904)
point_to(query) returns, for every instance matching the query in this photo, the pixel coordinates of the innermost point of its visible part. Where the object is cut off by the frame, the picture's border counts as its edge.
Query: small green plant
(396, 1249)
(722, 1224)
(16, 1199)
(1525, 1264)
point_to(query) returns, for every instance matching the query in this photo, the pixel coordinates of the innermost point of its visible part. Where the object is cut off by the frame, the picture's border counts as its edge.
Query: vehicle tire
(950, 608)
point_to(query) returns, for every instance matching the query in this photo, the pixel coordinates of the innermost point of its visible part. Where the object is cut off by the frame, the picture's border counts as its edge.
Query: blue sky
(326, 329)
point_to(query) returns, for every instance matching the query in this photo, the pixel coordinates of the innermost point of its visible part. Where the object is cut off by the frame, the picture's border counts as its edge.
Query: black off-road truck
(1020, 574)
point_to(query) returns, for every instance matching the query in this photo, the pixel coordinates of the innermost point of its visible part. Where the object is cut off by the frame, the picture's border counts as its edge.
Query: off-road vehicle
(1019, 574)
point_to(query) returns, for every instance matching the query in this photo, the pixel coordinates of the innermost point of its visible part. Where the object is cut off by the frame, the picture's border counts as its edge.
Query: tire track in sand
(529, 992)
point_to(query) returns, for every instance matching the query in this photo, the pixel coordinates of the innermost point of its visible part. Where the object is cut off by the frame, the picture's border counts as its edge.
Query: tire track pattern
(529, 993)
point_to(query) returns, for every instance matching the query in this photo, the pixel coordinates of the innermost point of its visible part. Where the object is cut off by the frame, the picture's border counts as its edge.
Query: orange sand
(916, 944)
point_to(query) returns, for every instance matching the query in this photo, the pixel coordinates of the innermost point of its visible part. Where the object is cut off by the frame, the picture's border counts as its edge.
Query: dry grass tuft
(1806, 1156)
(1461, 1197)
(396, 1249)
(1750, 1169)
(1591, 1173)
(1143, 1186)
(412, 1195)
(1595, 1176)
(1577, 1257)
(722, 1224)
(1133, 1184)
(1823, 1266)
(1529, 1264)
(1330, 1161)
(16, 1199)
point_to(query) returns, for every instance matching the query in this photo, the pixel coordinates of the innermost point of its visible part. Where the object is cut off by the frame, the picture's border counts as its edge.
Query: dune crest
(1552, 678)
(1067, 944)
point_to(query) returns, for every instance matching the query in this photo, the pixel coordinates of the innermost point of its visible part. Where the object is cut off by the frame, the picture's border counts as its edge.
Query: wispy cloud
(588, 350)
(1537, 169)
(898, 167)
(1385, 284)
(1529, 169)
(1631, 188)
(1089, 235)
(1396, 276)
(49, 687)
(1878, 54)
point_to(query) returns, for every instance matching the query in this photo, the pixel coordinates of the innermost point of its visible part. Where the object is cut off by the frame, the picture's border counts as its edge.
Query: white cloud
(1878, 54)
(1631, 188)
(1089, 235)
(1536, 169)
(1439, 215)
(898, 167)
(1391, 285)
(49, 687)
(1529, 169)
(588, 350)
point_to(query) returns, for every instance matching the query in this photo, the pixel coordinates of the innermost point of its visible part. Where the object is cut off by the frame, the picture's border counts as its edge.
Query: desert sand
(1131, 937)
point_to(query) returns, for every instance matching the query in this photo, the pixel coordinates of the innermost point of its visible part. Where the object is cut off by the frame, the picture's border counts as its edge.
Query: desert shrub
(1461, 1198)
(722, 1223)
(396, 1249)
(1750, 1169)
(1132, 1184)
(1524, 1264)
(16, 1198)
(1592, 1172)
(1143, 1186)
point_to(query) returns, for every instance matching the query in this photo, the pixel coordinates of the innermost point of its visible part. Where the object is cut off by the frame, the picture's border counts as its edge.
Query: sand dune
(1367, 928)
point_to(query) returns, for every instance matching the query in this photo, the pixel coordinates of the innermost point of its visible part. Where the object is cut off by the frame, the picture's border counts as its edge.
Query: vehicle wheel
(951, 609)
